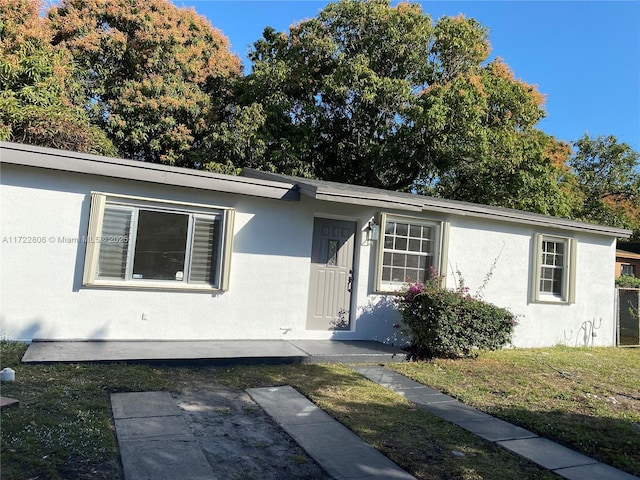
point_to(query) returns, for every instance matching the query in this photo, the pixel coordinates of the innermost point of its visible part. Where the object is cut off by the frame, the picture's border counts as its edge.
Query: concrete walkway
(154, 439)
(214, 352)
(549, 455)
(156, 443)
(339, 451)
(6, 402)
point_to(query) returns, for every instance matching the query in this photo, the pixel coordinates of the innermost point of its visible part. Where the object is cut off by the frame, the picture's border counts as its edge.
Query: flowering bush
(451, 323)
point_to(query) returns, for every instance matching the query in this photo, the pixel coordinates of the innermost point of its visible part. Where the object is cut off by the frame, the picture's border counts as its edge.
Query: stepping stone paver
(154, 439)
(340, 452)
(598, 471)
(546, 453)
(561, 460)
(6, 402)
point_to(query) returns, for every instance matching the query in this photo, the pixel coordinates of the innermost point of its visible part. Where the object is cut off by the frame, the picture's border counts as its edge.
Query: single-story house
(100, 248)
(628, 259)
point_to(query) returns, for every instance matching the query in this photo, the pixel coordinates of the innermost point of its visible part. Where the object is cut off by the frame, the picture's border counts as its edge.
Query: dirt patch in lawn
(239, 440)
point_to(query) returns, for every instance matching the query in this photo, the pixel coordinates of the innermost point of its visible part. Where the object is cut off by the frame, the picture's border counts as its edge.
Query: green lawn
(586, 399)
(63, 427)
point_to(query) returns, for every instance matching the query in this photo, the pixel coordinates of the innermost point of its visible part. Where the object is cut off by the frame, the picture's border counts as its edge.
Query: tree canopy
(365, 93)
(36, 86)
(153, 76)
(335, 92)
(608, 177)
(380, 95)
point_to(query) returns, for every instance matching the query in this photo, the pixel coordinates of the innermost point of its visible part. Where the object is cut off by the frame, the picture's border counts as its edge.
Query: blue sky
(583, 55)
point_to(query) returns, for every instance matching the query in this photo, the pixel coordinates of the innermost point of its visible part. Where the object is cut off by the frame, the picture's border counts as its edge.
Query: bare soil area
(240, 441)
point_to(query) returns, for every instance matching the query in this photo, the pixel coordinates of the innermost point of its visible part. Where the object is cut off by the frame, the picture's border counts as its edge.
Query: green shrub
(627, 281)
(451, 323)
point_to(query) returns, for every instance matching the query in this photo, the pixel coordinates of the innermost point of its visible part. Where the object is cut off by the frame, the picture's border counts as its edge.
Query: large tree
(379, 95)
(608, 176)
(336, 89)
(155, 77)
(477, 132)
(36, 86)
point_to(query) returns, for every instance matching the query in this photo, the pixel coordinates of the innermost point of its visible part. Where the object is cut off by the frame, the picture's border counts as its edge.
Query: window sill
(157, 286)
(551, 301)
(388, 289)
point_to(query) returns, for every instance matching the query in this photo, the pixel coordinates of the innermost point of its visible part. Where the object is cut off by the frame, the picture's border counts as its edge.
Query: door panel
(331, 274)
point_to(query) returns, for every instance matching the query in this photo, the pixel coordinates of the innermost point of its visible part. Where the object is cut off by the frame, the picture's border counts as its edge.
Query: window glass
(151, 244)
(407, 251)
(555, 274)
(627, 269)
(332, 252)
(552, 268)
(161, 245)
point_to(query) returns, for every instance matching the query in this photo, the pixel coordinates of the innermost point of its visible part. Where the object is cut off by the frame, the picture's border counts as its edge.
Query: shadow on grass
(63, 428)
(422, 444)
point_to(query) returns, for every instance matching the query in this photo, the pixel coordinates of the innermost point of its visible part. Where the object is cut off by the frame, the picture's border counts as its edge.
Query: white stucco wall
(41, 292)
(475, 245)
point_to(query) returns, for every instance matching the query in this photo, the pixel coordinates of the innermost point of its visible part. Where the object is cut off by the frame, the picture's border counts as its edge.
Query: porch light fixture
(372, 230)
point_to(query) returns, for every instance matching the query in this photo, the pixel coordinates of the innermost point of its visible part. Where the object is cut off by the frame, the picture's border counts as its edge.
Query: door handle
(350, 281)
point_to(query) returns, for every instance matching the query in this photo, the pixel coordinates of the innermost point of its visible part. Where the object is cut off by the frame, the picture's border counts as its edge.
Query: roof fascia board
(304, 188)
(52, 159)
(516, 216)
(627, 255)
(367, 201)
(320, 192)
(382, 199)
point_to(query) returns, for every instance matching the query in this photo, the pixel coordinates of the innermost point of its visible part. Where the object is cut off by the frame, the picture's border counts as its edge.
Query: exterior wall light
(373, 231)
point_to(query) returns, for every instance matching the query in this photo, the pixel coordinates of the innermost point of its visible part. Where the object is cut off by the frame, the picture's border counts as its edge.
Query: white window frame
(627, 269)
(568, 284)
(439, 250)
(194, 212)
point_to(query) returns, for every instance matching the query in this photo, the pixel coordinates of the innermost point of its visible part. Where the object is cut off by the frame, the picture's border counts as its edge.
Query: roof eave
(517, 216)
(62, 160)
(418, 203)
(628, 255)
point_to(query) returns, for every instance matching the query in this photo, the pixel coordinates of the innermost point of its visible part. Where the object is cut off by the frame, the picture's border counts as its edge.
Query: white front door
(331, 274)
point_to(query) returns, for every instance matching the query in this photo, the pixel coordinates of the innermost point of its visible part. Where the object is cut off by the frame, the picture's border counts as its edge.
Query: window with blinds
(149, 243)
(116, 229)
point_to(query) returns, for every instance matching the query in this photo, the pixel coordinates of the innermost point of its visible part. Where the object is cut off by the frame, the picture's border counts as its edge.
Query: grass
(63, 429)
(586, 399)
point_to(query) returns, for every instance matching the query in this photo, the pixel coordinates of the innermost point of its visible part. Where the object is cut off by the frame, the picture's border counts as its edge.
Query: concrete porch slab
(349, 351)
(213, 351)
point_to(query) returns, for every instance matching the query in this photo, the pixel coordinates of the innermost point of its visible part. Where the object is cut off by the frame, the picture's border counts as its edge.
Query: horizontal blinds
(114, 243)
(204, 250)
